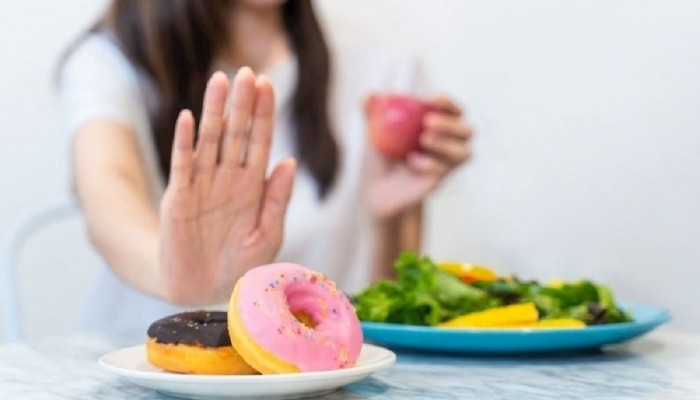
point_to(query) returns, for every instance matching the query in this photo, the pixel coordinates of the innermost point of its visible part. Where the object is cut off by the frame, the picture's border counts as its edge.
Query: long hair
(175, 41)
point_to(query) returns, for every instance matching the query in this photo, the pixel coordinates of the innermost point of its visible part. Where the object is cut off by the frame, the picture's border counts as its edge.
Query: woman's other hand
(396, 186)
(221, 215)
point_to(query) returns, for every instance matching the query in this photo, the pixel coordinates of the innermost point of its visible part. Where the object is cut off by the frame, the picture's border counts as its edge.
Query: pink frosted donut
(286, 318)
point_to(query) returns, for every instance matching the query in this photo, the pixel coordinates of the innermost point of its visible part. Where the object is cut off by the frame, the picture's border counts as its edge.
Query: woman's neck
(257, 38)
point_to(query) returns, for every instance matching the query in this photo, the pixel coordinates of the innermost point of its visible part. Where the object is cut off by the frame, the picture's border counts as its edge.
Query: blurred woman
(185, 175)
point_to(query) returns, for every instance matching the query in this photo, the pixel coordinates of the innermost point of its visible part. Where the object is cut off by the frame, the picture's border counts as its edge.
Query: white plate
(131, 363)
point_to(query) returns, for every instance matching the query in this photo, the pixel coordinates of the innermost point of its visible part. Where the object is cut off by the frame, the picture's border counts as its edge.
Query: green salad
(423, 294)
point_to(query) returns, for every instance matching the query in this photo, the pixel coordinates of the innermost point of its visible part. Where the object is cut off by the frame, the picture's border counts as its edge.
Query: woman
(179, 223)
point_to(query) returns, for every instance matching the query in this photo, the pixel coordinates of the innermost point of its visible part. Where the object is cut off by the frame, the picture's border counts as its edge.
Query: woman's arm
(393, 236)
(396, 191)
(218, 217)
(111, 185)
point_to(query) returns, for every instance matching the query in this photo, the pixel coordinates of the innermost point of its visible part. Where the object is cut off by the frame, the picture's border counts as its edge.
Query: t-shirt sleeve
(96, 83)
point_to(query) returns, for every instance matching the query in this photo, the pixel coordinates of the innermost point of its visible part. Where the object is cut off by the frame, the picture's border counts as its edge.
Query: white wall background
(587, 150)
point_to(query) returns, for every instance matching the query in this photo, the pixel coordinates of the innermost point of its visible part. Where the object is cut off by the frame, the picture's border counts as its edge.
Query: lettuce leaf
(422, 294)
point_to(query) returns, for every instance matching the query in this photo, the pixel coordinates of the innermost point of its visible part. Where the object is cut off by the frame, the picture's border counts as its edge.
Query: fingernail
(245, 70)
(262, 78)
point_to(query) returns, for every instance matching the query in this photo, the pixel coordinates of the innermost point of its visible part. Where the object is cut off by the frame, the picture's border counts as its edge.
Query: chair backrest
(10, 250)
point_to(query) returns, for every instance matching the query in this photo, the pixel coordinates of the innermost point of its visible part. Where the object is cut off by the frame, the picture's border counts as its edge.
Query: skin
(220, 214)
(397, 190)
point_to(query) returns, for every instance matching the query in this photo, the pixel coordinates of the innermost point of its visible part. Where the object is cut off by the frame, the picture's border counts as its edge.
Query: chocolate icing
(205, 328)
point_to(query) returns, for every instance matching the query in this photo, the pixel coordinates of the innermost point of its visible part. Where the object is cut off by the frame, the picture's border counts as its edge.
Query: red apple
(395, 123)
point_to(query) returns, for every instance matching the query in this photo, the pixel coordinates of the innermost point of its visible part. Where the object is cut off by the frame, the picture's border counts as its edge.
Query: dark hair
(174, 42)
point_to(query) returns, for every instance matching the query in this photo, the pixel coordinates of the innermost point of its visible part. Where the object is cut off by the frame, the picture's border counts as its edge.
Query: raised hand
(220, 214)
(395, 186)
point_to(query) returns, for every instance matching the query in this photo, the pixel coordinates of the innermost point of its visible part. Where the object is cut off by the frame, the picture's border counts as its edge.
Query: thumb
(368, 103)
(278, 190)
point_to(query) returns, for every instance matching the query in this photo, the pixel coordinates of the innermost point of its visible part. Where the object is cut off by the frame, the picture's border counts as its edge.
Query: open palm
(220, 214)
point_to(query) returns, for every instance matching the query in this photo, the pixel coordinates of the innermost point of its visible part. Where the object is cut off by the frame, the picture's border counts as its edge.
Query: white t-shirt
(329, 235)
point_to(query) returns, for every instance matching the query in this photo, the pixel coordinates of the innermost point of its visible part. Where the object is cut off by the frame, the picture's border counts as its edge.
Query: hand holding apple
(417, 144)
(395, 122)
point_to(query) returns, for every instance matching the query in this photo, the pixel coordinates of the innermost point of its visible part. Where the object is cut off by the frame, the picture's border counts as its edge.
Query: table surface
(662, 365)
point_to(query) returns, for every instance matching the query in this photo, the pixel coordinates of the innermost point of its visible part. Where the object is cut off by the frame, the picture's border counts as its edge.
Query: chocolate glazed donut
(195, 342)
(205, 328)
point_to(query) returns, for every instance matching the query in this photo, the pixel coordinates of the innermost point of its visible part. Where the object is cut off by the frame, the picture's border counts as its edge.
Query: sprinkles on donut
(285, 318)
(282, 318)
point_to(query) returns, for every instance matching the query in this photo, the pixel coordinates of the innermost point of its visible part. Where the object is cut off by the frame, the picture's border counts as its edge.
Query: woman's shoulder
(97, 56)
(97, 43)
(96, 81)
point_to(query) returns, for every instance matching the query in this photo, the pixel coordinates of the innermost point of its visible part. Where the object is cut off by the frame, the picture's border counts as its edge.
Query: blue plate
(501, 341)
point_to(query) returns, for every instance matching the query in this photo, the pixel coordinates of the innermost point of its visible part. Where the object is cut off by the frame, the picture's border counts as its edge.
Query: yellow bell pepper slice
(468, 272)
(516, 314)
(563, 323)
(555, 323)
(556, 283)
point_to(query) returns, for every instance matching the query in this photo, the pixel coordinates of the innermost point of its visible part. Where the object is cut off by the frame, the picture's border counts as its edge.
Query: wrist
(184, 280)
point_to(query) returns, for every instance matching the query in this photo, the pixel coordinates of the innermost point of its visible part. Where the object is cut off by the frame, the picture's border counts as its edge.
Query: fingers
(444, 141)
(445, 137)
(444, 104)
(242, 103)
(211, 123)
(182, 159)
(445, 148)
(368, 103)
(447, 124)
(258, 151)
(277, 194)
(425, 164)
(263, 200)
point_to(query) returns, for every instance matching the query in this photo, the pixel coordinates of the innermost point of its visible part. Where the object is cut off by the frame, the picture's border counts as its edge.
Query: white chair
(10, 250)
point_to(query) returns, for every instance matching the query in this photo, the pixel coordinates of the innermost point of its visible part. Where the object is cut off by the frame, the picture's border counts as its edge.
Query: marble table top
(663, 365)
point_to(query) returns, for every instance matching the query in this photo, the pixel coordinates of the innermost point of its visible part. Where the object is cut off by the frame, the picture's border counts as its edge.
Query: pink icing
(267, 297)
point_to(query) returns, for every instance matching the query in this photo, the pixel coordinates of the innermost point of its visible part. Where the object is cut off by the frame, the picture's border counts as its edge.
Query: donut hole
(305, 318)
(303, 304)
